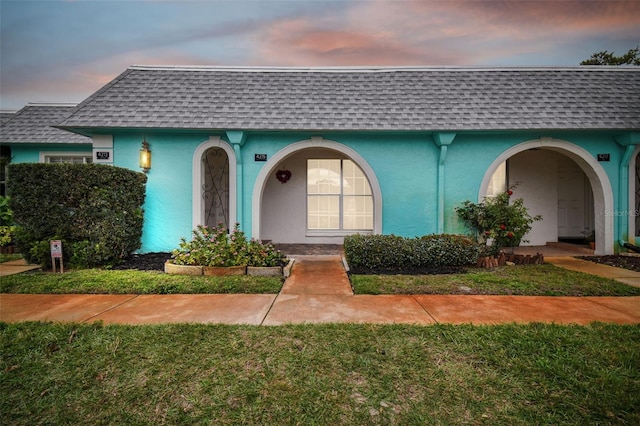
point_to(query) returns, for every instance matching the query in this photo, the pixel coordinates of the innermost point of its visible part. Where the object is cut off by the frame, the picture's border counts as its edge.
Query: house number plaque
(103, 155)
(603, 157)
(260, 157)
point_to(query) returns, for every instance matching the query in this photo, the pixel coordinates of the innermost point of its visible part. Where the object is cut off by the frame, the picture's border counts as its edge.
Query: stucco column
(237, 138)
(629, 141)
(442, 140)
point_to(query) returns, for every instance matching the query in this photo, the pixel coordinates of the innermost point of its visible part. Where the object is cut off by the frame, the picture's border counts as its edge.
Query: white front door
(574, 203)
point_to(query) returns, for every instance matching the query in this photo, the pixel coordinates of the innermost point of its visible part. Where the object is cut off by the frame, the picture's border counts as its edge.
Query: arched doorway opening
(215, 187)
(330, 192)
(214, 183)
(565, 184)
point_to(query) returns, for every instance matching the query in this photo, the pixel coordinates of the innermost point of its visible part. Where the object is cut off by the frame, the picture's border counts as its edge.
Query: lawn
(533, 280)
(98, 281)
(530, 280)
(319, 374)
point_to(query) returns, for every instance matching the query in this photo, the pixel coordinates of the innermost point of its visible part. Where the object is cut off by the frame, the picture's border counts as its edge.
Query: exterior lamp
(145, 156)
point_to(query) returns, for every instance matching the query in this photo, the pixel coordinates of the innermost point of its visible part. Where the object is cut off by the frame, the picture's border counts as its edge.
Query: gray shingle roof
(33, 124)
(454, 99)
(5, 116)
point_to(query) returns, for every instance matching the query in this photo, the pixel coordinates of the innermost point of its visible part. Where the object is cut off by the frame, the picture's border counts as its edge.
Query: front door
(574, 202)
(215, 187)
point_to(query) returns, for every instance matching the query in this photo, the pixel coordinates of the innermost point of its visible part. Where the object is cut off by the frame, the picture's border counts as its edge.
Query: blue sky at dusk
(63, 51)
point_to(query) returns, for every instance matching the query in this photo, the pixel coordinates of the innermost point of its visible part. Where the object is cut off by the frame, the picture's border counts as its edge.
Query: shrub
(498, 222)
(393, 253)
(96, 210)
(443, 250)
(218, 247)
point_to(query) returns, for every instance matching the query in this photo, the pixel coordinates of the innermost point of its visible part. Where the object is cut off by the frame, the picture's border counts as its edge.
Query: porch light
(145, 156)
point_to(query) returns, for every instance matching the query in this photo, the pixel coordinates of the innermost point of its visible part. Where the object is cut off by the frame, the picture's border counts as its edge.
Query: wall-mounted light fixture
(145, 156)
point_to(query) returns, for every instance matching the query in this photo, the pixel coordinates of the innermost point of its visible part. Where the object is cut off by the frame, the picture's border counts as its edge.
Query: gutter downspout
(237, 138)
(442, 140)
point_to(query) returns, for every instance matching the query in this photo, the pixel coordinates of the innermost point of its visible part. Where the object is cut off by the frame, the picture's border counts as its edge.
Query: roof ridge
(373, 69)
(52, 104)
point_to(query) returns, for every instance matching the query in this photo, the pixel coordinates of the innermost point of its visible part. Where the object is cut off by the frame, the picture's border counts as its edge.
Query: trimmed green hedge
(96, 210)
(390, 252)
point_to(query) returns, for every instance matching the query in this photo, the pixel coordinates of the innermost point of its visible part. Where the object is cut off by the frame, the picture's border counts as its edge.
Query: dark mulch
(627, 262)
(409, 271)
(145, 262)
(155, 262)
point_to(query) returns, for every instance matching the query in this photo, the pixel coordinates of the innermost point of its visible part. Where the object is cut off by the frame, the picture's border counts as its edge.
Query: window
(338, 196)
(66, 158)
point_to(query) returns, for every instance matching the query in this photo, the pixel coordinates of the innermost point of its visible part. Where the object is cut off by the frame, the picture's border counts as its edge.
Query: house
(309, 155)
(28, 136)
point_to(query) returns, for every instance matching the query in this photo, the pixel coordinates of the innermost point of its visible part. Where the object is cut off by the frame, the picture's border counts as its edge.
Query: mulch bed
(155, 262)
(145, 262)
(627, 262)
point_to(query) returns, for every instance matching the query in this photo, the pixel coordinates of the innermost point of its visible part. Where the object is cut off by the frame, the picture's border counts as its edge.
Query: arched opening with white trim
(601, 192)
(280, 210)
(214, 184)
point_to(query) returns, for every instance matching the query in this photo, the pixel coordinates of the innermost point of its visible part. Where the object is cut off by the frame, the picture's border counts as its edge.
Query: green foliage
(218, 246)
(606, 58)
(498, 222)
(96, 211)
(389, 252)
(6, 214)
(6, 235)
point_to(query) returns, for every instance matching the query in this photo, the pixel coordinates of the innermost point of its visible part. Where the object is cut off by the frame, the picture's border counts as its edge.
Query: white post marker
(56, 253)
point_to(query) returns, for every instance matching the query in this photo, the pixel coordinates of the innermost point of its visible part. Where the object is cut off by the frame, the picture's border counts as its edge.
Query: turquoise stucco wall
(406, 166)
(30, 153)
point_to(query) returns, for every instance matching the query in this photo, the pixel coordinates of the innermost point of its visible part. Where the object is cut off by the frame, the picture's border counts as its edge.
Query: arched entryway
(284, 210)
(574, 177)
(214, 183)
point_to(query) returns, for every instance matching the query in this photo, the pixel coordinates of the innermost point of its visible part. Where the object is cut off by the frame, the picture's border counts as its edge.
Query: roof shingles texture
(387, 99)
(33, 124)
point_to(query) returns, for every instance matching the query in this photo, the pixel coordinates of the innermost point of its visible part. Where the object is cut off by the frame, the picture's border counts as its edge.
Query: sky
(62, 51)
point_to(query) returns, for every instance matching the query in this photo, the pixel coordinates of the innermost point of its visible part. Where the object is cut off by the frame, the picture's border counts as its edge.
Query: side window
(77, 159)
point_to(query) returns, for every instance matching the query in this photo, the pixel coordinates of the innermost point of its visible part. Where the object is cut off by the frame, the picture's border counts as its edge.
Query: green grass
(319, 374)
(134, 282)
(530, 280)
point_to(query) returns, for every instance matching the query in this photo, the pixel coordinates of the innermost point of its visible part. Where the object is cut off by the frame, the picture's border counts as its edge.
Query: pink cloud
(440, 33)
(304, 42)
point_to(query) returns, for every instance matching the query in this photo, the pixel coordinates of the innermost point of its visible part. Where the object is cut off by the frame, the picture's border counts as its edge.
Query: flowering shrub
(498, 222)
(218, 246)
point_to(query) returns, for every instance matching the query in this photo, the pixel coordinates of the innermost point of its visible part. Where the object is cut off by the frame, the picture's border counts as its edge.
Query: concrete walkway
(318, 291)
(16, 267)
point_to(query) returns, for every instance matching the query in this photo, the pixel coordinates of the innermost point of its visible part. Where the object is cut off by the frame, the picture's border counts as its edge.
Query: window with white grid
(338, 196)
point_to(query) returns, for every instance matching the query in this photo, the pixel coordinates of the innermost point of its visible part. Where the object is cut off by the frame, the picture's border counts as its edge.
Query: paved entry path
(318, 291)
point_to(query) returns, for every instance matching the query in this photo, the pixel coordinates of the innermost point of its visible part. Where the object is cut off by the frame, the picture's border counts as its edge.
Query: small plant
(260, 254)
(498, 222)
(217, 246)
(589, 235)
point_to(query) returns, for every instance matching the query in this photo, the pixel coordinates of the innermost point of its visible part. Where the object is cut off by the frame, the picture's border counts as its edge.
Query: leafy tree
(606, 58)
